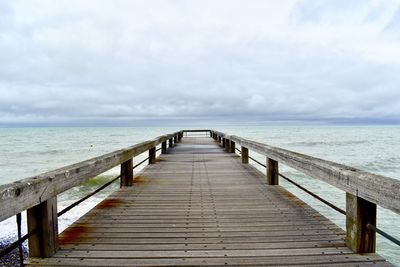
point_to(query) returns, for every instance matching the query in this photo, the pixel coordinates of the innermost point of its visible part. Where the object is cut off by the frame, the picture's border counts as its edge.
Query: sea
(26, 152)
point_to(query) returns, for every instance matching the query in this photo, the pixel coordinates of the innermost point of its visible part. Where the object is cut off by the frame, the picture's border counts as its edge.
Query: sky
(119, 61)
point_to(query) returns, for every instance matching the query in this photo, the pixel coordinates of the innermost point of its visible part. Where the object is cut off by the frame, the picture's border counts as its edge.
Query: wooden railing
(364, 190)
(38, 194)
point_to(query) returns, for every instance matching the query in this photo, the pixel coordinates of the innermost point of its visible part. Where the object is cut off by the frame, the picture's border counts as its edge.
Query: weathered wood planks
(24, 194)
(202, 206)
(378, 189)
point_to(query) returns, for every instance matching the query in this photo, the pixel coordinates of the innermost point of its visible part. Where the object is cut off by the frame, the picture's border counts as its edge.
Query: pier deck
(199, 205)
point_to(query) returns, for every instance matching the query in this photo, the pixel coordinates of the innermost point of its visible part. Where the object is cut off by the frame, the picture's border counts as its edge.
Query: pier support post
(219, 139)
(245, 155)
(224, 142)
(126, 173)
(43, 218)
(360, 213)
(171, 142)
(272, 172)
(152, 155)
(175, 139)
(164, 147)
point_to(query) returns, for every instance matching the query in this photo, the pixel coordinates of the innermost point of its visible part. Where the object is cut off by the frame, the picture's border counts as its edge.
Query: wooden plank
(194, 209)
(201, 240)
(350, 259)
(202, 253)
(378, 189)
(203, 246)
(24, 194)
(218, 229)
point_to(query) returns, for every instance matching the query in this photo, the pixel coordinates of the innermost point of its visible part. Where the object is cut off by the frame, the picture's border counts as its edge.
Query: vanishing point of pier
(200, 203)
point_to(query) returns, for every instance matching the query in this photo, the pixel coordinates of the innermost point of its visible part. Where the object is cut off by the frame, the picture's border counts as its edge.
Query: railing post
(360, 213)
(272, 172)
(43, 218)
(152, 155)
(245, 155)
(171, 142)
(126, 173)
(164, 147)
(228, 145)
(232, 147)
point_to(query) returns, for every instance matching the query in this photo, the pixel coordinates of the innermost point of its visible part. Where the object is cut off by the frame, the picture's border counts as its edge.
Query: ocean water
(26, 152)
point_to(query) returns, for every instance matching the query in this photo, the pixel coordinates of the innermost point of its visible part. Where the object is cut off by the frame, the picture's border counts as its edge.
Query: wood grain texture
(200, 206)
(24, 194)
(378, 189)
(43, 219)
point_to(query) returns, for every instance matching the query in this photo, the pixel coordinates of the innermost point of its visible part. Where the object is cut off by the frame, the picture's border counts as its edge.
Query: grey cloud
(104, 60)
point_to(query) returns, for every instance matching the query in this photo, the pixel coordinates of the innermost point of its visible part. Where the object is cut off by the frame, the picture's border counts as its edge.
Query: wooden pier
(198, 203)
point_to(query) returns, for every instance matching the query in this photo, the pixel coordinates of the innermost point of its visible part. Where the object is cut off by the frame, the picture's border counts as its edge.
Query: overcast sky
(101, 61)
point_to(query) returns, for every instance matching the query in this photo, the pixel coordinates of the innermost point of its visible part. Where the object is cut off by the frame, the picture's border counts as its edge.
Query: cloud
(65, 61)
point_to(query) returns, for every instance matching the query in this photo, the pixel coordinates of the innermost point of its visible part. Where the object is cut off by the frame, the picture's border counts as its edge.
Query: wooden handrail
(23, 194)
(38, 194)
(378, 189)
(196, 131)
(364, 190)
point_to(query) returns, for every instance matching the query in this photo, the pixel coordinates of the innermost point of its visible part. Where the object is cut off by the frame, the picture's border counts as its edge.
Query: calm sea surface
(26, 152)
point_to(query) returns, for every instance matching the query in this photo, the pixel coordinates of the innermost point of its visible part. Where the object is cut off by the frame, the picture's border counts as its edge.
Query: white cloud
(101, 60)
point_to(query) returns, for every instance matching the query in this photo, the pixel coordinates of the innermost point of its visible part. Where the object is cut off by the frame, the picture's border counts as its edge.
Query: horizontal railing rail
(378, 189)
(38, 194)
(326, 202)
(196, 131)
(24, 194)
(364, 190)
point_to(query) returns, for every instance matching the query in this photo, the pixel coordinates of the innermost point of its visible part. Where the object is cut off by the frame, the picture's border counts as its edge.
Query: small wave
(327, 143)
(51, 152)
(98, 180)
(384, 168)
(88, 187)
